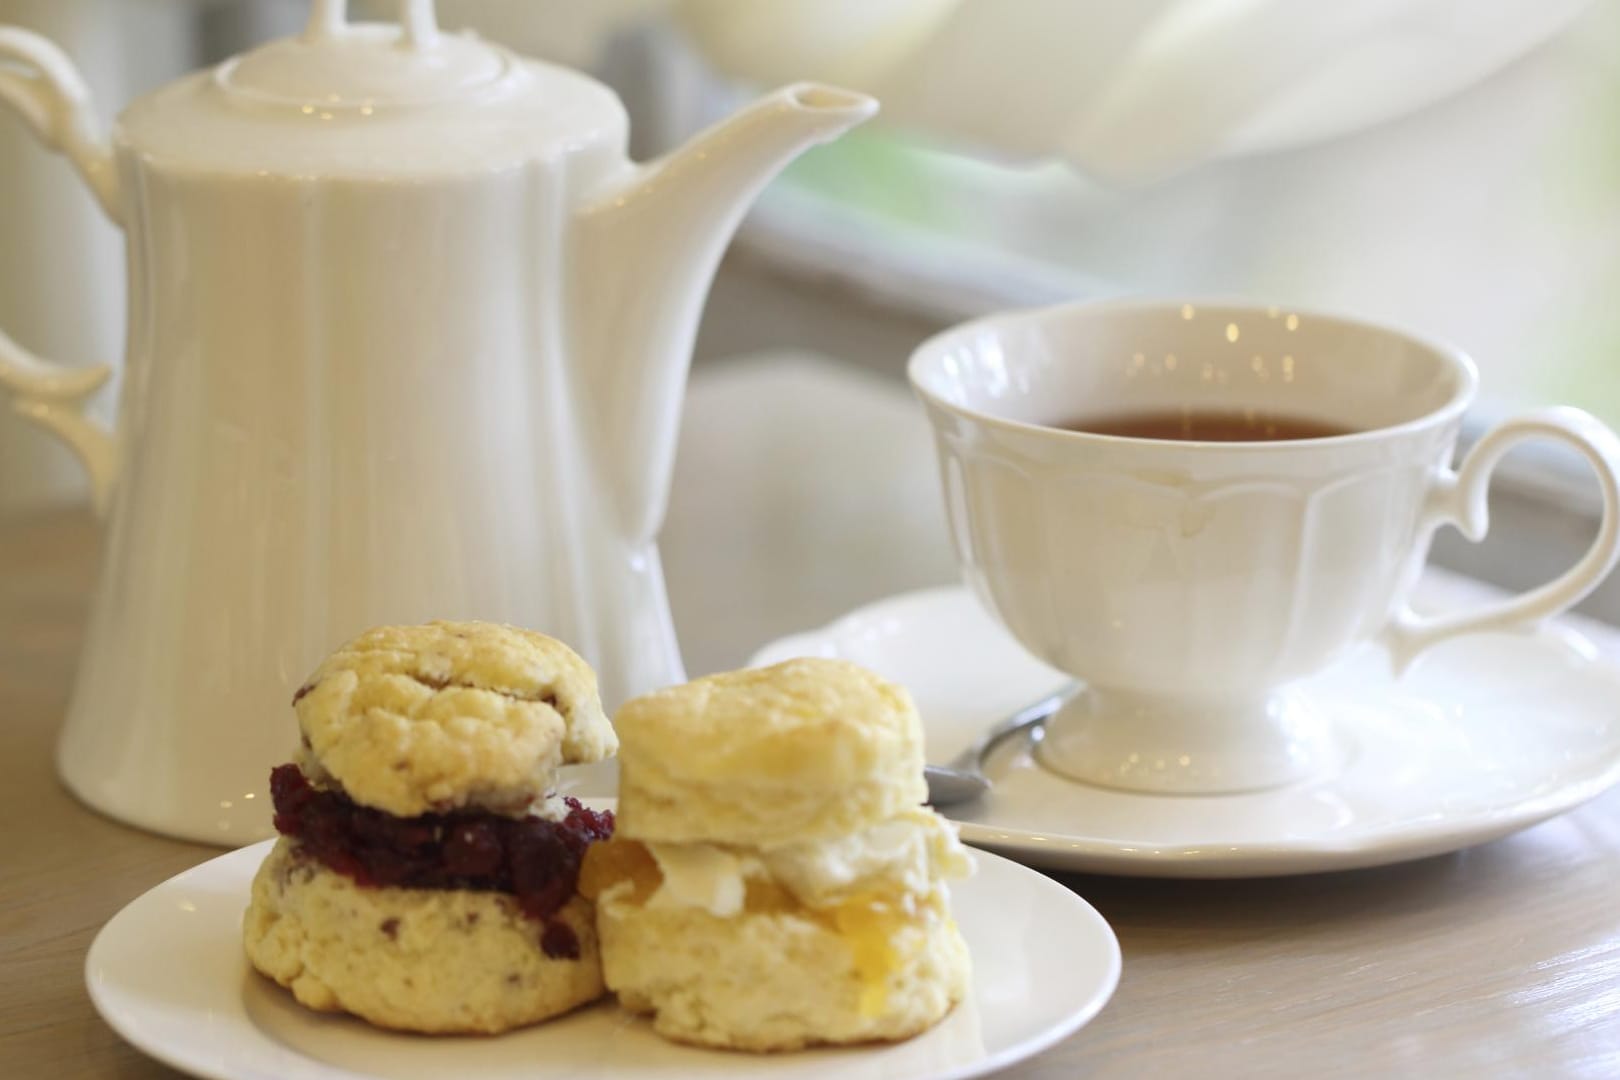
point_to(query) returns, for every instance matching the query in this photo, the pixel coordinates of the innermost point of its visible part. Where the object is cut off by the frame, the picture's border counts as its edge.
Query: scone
(425, 878)
(774, 882)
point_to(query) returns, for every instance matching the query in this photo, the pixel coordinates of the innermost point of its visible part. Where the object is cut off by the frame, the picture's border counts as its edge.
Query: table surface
(804, 489)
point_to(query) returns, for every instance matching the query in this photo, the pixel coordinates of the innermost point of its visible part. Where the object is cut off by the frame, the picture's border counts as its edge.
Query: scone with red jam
(425, 878)
(775, 882)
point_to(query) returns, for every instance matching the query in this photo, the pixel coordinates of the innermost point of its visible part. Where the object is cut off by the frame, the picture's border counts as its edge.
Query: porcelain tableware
(167, 972)
(1188, 583)
(962, 778)
(408, 336)
(1487, 735)
(61, 264)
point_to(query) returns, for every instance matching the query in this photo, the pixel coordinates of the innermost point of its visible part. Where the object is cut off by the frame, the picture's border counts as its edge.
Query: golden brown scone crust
(419, 719)
(804, 750)
(429, 960)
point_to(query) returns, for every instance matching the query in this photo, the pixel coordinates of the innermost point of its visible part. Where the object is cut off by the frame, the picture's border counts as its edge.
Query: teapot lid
(334, 63)
(371, 98)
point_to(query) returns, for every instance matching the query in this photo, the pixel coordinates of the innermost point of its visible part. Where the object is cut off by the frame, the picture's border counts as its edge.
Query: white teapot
(407, 339)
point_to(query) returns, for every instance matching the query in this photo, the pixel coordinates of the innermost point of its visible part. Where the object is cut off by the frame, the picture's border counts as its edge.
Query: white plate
(1485, 735)
(168, 973)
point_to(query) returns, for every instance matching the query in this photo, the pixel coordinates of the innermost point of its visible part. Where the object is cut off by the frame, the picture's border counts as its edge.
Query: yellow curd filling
(868, 922)
(608, 862)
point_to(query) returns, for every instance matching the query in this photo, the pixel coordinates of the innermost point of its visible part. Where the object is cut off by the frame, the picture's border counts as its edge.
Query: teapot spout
(645, 250)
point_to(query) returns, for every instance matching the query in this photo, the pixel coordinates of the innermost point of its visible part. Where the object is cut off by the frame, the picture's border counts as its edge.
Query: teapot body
(408, 334)
(348, 401)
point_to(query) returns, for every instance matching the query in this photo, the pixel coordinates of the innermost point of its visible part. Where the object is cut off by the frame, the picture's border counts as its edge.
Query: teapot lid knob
(334, 64)
(327, 19)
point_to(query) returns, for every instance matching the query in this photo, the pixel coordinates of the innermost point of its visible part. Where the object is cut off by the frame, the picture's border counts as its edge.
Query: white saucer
(168, 973)
(1486, 735)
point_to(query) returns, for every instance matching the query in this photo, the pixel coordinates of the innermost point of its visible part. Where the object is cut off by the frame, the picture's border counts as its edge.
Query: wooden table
(1499, 961)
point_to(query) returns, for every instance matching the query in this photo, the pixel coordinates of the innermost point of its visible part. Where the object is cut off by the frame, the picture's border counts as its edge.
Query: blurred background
(1452, 166)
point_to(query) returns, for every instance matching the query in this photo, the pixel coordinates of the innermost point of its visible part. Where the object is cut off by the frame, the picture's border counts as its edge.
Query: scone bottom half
(762, 916)
(425, 879)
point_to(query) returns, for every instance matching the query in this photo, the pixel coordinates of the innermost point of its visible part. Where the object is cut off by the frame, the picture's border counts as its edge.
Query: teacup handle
(1458, 499)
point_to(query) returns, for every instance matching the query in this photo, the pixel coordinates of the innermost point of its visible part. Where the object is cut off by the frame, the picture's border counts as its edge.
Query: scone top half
(448, 716)
(807, 750)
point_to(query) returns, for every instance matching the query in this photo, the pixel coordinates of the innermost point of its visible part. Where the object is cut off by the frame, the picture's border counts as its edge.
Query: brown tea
(1199, 425)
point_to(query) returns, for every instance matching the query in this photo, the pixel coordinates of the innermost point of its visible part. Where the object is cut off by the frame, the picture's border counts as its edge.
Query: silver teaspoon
(962, 778)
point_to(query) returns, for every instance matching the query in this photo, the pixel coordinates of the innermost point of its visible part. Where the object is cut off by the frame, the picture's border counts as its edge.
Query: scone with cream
(774, 881)
(425, 878)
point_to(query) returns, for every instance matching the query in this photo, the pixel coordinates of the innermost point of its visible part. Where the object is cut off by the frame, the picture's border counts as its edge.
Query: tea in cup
(1192, 507)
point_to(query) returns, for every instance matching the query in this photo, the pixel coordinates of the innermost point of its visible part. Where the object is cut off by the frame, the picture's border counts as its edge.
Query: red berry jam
(535, 860)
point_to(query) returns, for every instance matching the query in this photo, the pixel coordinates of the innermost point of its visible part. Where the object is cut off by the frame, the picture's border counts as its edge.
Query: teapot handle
(44, 88)
(48, 94)
(53, 396)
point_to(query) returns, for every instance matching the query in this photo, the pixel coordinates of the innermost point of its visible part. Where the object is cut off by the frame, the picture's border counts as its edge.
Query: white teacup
(1187, 583)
